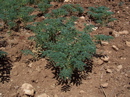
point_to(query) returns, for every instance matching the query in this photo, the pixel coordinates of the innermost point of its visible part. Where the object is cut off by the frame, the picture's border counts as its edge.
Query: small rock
(128, 43)
(67, 0)
(95, 28)
(30, 65)
(81, 91)
(125, 32)
(115, 47)
(75, 22)
(109, 71)
(82, 17)
(43, 95)
(27, 89)
(97, 61)
(105, 58)
(115, 34)
(119, 67)
(104, 85)
(0, 94)
(104, 42)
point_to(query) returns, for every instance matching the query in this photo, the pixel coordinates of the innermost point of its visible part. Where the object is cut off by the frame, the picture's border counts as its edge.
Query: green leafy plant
(73, 8)
(101, 15)
(12, 11)
(44, 7)
(65, 47)
(62, 44)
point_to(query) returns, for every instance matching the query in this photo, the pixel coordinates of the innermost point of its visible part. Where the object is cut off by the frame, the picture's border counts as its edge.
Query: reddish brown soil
(19, 69)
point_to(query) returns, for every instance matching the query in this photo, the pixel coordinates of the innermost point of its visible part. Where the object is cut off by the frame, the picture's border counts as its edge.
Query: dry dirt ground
(109, 77)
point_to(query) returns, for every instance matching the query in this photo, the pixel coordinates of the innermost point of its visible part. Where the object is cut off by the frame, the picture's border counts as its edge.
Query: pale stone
(125, 32)
(67, 0)
(43, 95)
(128, 43)
(104, 85)
(105, 58)
(109, 71)
(104, 42)
(30, 65)
(95, 28)
(75, 22)
(28, 89)
(82, 17)
(115, 47)
(0, 94)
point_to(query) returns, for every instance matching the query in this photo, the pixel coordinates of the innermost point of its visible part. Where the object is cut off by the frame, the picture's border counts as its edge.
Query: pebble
(82, 17)
(125, 32)
(75, 22)
(28, 89)
(95, 28)
(109, 71)
(128, 43)
(105, 58)
(104, 85)
(104, 42)
(43, 95)
(0, 94)
(115, 47)
(30, 65)
(67, 0)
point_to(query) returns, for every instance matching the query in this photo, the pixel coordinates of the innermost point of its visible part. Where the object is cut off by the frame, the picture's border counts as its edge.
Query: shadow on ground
(5, 68)
(76, 79)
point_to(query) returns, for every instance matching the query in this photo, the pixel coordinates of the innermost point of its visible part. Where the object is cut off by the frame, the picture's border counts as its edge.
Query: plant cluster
(60, 42)
(44, 6)
(67, 9)
(101, 15)
(12, 11)
(66, 47)
(57, 38)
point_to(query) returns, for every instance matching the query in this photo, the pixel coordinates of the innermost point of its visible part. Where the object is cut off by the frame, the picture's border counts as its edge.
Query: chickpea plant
(101, 15)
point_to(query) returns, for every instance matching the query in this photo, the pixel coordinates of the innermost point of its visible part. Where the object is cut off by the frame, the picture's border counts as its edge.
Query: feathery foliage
(13, 10)
(101, 15)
